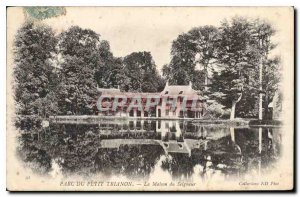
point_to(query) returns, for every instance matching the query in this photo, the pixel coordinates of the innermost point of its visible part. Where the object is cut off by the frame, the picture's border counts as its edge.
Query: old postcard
(150, 98)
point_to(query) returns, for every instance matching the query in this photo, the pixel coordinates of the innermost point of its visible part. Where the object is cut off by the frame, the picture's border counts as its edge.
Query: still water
(139, 149)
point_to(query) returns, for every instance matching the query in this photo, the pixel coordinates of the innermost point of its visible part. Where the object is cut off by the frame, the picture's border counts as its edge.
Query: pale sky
(154, 28)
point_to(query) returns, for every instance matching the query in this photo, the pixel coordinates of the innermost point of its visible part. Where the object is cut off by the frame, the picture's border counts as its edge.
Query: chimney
(190, 84)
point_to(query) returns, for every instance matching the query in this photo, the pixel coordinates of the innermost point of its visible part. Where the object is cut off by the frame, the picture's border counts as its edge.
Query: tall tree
(205, 40)
(33, 48)
(263, 32)
(77, 91)
(109, 72)
(238, 57)
(81, 58)
(140, 73)
(78, 42)
(192, 54)
(271, 77)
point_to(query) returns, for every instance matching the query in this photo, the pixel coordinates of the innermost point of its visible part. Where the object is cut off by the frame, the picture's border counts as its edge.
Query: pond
(141, 149)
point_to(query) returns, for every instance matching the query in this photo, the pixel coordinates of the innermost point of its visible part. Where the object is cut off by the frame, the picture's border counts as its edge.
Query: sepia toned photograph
(150, 98)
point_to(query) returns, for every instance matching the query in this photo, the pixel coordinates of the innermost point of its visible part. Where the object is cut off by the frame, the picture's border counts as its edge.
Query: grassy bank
(220, 122)
(223, 122)
(264, 123)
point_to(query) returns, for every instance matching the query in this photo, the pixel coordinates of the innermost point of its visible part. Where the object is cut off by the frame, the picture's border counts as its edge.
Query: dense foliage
(191, 51)
(140, 73)
(225, 64)
(34, 77)
(58, 74)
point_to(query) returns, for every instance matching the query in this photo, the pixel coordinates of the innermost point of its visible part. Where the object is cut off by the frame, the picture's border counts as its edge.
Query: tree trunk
(232, 113)
(205, 78)
(260, 115)
(266, 107)
(205, 82)
(232, 134)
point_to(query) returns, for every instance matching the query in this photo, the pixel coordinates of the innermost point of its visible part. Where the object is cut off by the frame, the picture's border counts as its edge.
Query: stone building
(180, 101)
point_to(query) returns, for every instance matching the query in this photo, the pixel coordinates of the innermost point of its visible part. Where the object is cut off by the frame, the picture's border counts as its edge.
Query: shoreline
(239, 122)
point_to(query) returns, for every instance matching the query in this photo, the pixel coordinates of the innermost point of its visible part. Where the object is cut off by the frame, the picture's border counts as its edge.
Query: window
(166, 92)
(131, 113)
(180, 92)
(138, 125)
(145, 114)
(167, 125)
(131, 125)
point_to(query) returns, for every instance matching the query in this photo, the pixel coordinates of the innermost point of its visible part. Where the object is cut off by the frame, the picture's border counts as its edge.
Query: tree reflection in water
(133, 161)
(87, 149)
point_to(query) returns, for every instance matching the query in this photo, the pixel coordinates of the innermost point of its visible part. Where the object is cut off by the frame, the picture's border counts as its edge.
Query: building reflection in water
(137, 148)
